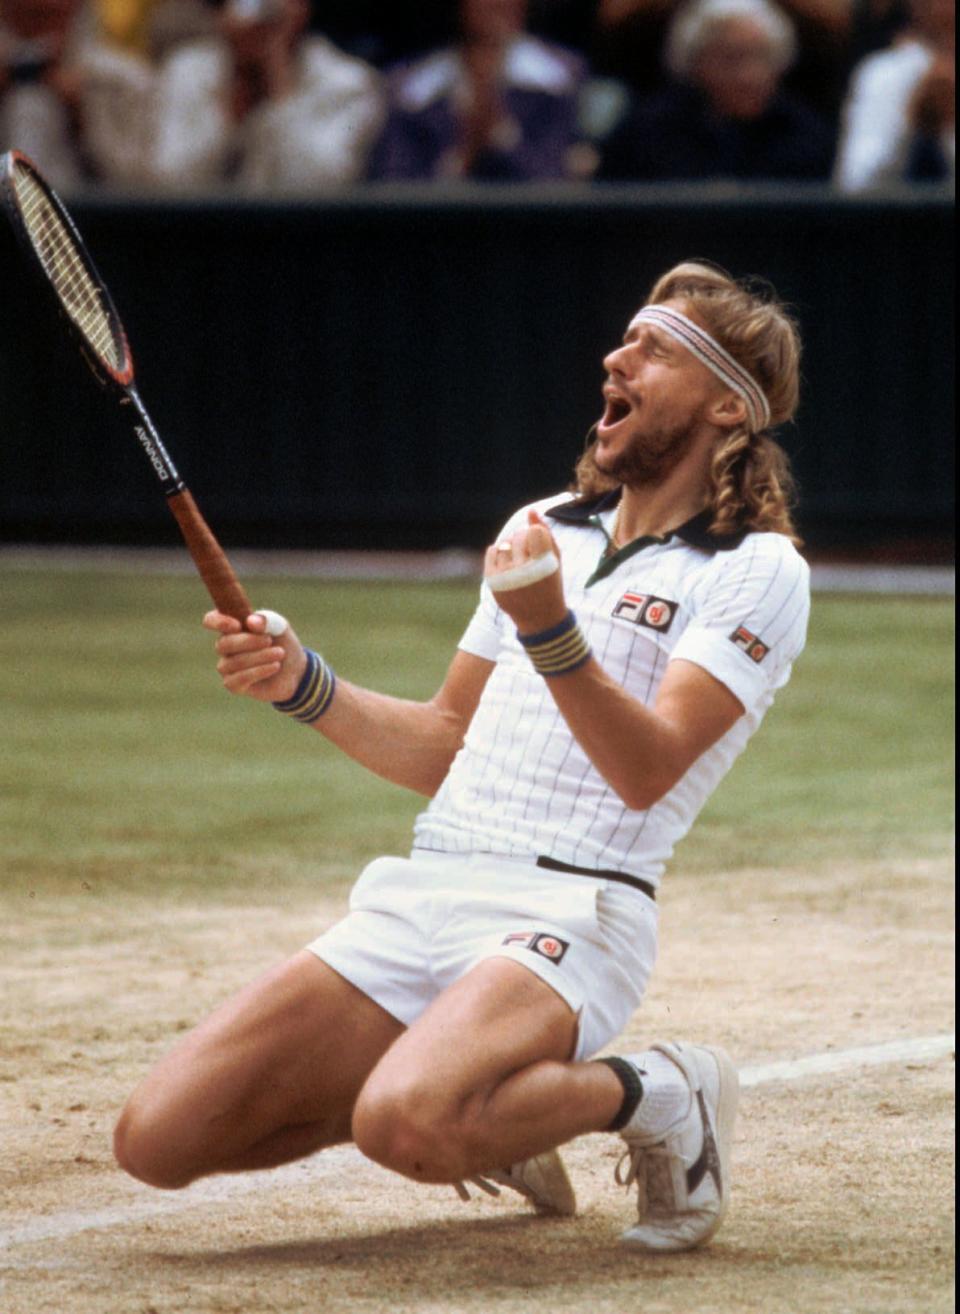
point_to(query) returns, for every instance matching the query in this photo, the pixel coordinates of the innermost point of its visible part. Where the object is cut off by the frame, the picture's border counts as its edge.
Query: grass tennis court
(162, 842)
(123, 755)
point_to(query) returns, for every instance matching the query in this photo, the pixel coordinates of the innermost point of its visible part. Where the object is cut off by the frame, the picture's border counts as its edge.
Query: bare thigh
(271, 1075)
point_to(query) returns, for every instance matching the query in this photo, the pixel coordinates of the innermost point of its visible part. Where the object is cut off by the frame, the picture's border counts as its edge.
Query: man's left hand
(532, 607)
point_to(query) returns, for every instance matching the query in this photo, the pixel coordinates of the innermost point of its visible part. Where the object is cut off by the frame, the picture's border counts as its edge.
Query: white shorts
(416, 925)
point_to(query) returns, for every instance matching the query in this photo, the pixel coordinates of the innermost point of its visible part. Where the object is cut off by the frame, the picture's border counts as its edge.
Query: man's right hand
(252, 662)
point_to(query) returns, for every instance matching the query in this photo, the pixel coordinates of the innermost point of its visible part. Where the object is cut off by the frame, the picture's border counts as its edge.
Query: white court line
(146, 1203)
(923, 1049)
(331, 1163)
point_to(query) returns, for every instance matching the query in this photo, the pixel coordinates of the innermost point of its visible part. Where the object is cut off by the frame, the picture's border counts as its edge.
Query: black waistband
(621, 876)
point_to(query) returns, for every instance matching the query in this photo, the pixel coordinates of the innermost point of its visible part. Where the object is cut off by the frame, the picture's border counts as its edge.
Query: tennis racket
(56, 251)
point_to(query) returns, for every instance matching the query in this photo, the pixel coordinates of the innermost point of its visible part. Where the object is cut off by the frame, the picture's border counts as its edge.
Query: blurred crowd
(284, 96)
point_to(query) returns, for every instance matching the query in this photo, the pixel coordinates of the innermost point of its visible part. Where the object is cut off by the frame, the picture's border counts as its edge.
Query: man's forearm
(643, 751)
(628, 743)
(409, 743)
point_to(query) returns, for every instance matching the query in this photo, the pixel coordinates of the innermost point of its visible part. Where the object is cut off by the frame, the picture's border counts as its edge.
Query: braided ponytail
(750, 482)
(751, 485)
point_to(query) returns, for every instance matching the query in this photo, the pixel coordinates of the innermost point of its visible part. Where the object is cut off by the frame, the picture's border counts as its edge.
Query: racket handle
(209, 557)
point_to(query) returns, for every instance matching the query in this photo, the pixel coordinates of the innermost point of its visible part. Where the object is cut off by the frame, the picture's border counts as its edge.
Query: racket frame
(208, 556)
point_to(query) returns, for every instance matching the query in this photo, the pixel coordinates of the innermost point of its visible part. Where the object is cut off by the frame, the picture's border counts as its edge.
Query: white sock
(666, 1095)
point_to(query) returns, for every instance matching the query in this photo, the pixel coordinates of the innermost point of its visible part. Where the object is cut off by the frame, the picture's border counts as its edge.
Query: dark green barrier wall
(405, 367)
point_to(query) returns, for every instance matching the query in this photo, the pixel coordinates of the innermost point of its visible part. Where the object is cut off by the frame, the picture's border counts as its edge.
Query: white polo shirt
(521, 785)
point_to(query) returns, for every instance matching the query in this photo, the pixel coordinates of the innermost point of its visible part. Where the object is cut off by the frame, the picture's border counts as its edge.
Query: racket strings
(66, 270)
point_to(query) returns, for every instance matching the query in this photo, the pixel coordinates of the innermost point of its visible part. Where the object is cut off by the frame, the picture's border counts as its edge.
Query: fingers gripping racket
(56, 250)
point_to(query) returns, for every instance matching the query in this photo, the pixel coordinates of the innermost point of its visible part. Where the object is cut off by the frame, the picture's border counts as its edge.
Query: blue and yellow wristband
(313, 694)
(559, 650)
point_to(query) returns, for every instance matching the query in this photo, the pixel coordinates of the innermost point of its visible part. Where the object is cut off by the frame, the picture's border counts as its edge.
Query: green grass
(125, 767)
(855, 759)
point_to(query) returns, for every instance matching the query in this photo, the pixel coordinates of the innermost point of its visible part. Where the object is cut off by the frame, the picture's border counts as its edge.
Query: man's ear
(728, 411)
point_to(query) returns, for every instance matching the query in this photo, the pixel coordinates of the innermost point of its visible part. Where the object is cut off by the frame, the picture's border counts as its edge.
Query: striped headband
(710, 353)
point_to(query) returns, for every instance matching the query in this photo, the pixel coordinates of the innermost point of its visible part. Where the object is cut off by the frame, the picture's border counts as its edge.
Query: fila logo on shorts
(548, 946)
(755, 648)
(645, 609)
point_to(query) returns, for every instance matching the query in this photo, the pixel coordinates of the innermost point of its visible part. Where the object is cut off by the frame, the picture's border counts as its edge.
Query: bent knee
(412, 1134)
(144, 1150)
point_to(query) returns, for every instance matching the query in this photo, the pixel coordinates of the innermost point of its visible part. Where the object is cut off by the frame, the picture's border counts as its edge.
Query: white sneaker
(683, 1177)
(542, 1180)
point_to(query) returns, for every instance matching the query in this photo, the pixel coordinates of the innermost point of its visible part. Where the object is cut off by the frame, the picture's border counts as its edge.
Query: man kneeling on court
(628, 640)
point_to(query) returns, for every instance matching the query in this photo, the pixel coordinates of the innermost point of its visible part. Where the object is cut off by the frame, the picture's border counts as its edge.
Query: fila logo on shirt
(540, 942)
(755, 648)
(645, 609)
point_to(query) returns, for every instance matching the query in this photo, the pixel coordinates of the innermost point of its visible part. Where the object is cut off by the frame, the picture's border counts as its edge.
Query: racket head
(57, 252)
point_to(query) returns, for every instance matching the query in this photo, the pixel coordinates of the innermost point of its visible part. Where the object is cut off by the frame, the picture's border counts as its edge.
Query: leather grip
(209, 557)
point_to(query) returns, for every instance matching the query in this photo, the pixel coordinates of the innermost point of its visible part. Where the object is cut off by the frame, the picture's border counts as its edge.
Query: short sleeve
(749, 618)
(483, 635)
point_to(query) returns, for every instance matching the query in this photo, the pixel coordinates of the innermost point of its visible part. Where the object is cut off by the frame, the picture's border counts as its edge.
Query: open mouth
(617, 409)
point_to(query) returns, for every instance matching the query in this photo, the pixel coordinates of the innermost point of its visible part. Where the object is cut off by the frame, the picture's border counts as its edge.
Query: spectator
(497, 105)
(899, 122)
(72, 97)
(631, 35)
(40, 86)
(725, 115)
(258, 105)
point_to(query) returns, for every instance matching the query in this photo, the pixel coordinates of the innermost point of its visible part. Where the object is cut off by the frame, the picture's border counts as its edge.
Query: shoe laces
(481, 1182)
(653, 1168)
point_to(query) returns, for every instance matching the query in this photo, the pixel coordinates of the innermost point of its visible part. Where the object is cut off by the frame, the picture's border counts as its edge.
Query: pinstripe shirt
(521, 785)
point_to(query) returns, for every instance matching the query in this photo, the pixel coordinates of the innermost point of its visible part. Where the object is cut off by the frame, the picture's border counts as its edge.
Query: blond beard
(646, 462)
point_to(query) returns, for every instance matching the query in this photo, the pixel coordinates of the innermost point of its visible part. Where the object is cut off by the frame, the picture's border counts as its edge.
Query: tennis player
(628, 641)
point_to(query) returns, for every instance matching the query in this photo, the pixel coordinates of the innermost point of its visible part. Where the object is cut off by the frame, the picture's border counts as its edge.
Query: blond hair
(750, 485)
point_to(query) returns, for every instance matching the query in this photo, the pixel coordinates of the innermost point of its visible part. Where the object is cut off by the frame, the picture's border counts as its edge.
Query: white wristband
(528, 572)
(276, 624)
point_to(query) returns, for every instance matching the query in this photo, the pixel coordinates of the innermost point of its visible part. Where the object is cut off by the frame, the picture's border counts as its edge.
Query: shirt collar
(695, 531)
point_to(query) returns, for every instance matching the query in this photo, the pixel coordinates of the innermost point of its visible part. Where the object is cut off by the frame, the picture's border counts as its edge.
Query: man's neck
(655, 511)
